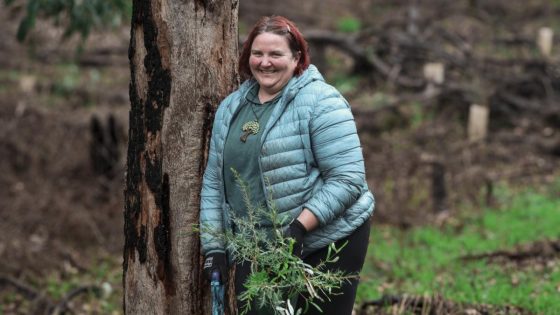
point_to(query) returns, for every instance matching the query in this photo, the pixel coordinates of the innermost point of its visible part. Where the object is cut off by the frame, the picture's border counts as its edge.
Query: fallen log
(539, 249)
(435, 305)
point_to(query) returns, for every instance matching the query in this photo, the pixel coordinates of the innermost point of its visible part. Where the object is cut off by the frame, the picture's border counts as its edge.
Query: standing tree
(183, 61)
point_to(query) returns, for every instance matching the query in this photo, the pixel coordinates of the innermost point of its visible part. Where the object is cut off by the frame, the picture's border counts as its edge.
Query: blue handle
(217, 293)
(216, 276)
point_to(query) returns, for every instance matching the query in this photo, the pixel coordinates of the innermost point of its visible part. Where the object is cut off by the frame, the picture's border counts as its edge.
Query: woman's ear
(297, 56)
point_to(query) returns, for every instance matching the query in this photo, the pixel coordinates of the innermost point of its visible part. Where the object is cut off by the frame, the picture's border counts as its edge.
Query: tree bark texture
(183, 62)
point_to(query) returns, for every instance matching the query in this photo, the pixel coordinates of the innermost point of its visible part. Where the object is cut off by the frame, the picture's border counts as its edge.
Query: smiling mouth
(267, 71)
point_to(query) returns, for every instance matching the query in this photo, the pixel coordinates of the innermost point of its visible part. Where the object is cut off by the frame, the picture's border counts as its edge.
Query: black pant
(351, 259)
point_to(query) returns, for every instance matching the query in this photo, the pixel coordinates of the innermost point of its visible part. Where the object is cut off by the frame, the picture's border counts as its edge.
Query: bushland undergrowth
(430, 260)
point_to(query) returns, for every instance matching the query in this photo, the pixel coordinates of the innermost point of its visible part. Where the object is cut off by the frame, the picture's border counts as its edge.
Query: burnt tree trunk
(183, 61)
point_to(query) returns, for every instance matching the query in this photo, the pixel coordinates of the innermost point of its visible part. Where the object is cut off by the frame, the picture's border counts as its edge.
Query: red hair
(278, 25)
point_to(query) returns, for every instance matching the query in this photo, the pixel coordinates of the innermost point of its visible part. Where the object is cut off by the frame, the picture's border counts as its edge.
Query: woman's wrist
(308, 220)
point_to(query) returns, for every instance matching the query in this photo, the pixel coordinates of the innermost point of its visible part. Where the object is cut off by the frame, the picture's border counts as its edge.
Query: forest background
(466, 216)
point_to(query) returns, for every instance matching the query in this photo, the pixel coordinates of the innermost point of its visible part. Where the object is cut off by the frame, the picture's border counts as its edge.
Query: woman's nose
(265, 61)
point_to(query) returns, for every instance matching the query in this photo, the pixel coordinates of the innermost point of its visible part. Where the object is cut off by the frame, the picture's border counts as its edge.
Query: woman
(286, 126)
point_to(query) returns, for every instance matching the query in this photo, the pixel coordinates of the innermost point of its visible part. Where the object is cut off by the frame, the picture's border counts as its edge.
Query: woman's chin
(264, 80)
(267, 85)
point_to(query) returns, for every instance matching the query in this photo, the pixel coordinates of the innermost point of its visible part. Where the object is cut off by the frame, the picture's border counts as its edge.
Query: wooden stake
(544, 41)
(27, 83)
(434, 72)
(478, 122)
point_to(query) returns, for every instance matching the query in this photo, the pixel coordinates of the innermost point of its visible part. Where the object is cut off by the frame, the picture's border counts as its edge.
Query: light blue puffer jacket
(311, 157)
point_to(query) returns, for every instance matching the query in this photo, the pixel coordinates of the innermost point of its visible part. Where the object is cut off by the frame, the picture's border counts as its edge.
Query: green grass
(425, 260)
(348, 24)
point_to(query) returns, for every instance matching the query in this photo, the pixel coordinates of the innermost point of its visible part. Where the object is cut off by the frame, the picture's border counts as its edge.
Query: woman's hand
(304, 223)
(296, 231)
(216, 262)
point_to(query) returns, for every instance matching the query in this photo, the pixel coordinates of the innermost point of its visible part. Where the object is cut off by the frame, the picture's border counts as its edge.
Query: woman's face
(272, 62)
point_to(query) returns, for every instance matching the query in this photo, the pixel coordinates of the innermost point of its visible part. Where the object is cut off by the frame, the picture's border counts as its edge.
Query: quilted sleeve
(338, 154)
(211, 197)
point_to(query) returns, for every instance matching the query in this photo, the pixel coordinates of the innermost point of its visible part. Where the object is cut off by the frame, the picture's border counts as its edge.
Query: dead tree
(183, 61)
